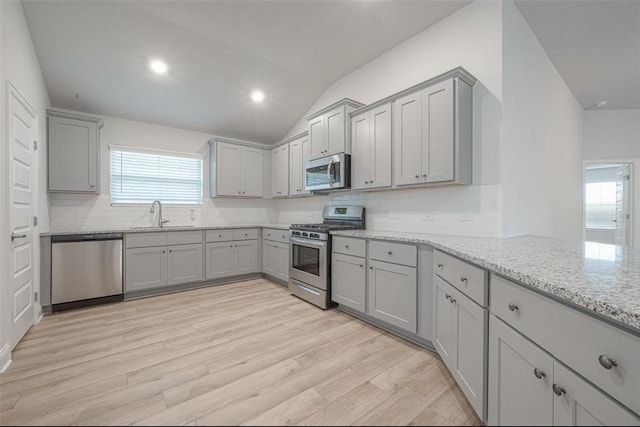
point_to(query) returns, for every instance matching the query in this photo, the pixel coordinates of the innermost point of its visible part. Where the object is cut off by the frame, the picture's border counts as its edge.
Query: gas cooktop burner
(320, 227)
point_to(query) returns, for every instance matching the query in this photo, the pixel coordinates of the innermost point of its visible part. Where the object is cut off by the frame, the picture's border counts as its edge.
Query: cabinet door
(185, 264)
(252, 170)
(269, 258)
(582, 404)
(348, 281)
(336, 135)
(393, 292)
(295, 167)
(146, 268)
(229, 169)
(443, 321)
(220, 259)
(520, 379)
(438, 132)
(470, 357)
(280, 171)
(306, 156)
(407, 136)
(380, 147)
(360, 152)
(246, 256)
(73, 155)
(282, 261)
(317, 137)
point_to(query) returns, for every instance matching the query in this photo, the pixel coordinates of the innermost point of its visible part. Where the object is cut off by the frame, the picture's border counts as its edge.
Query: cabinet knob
(463, 279)
(512, 306)
(606, 362)
(246, 234)
(452, 301)
(417, 176)
(366, 182)
(243, 192)
(447, 296)
(361, 265)
(164, 252)
(170, 251)
(371, 267)
(539, 373)
(424, 175)
(92, 186)
(558, 390)
(439, 265)
(390, 253)
(346, 246)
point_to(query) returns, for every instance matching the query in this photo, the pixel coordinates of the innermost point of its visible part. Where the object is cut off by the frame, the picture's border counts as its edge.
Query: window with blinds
(142, 176)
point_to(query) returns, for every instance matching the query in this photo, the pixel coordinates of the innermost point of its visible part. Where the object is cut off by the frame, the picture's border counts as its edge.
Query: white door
(22, 133)
(407, 131)
(623, 214)
(252, 167)
(360, 151)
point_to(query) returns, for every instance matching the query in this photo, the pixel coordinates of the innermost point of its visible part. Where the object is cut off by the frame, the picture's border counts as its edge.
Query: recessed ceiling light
(601, 104)
(158, 67)
(257, 96)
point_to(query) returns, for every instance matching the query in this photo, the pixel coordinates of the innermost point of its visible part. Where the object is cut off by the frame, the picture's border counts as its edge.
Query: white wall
(541, 140)
(615, 135)
(90, 212)
(19, 64)
(471, 38)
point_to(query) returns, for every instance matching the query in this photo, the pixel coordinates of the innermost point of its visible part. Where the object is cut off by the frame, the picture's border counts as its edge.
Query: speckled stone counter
(604, 279)
(166, 228)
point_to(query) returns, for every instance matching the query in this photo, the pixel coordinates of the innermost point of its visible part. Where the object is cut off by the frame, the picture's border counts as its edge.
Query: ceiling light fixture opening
(158, 66)
(601, 104)
(257, 96)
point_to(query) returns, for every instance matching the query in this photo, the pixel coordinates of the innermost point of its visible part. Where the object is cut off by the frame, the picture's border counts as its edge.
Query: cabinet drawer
(308, 293)
(443, 265)
(145, 240)
(275, 235)
(219, 235)
(245, 234)
(575, 338)
(348, 246)
(184, 237)
(394, 252)
(466, 277)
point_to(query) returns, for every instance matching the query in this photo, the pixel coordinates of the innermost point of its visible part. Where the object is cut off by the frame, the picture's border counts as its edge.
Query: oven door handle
(310, 243)
(330, 180)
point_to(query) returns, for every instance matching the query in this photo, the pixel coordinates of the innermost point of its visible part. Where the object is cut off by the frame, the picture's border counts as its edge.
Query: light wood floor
(244, 353)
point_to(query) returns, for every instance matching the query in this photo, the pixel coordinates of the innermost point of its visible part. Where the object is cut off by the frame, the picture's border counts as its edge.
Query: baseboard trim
(5, 358)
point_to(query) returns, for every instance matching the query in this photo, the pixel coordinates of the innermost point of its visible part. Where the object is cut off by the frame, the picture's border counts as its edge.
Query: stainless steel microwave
(328, 173)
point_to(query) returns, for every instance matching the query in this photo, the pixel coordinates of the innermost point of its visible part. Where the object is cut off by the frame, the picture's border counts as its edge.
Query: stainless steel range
(310, 254)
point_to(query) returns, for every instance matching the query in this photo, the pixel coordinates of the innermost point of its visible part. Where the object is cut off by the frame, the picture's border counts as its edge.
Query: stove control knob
(316, 235)
(305, 234)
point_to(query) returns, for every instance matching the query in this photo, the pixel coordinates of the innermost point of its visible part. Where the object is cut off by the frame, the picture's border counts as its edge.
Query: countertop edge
(158, 229)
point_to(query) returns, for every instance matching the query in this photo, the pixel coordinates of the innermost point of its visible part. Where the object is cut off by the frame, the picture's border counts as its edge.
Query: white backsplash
(469, 210)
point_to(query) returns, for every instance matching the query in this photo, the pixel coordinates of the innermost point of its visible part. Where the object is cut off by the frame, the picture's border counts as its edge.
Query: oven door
(327, 173)
(308, 262)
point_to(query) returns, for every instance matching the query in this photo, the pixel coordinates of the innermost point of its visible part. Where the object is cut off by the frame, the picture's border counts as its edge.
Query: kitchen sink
(155, 227)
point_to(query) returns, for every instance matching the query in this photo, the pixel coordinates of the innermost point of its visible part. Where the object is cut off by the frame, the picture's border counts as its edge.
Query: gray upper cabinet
(299, 153)
(236, 170)
(74, 152)
(329, 129)
(433, 132)
(280, 171)
(371, 148)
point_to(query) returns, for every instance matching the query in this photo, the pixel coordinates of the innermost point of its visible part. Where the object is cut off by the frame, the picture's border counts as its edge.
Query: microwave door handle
(329, 175)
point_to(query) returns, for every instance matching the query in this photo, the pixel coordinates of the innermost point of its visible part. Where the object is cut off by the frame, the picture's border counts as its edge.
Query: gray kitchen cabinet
(392, 294)
(246, 257)
(371, 148)
(299, 153)
(231, 257)
(146, 268)
(329, 129)
(185, 264)
(425, 292)
(520, 379)
(280, 171)
(275, 259)
(236, 170)
(443, 321)
(348, 281)
(433, 133)
(73, 152)
(220, 260)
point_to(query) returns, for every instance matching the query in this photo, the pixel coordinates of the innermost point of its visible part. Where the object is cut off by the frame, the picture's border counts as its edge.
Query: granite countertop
(601, 278)
(165, 228)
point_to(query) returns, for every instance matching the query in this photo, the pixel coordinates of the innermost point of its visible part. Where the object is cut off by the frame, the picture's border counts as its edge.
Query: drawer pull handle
(539, 373)
(390, 253)
(606, 362)
(439, 265)
(513, 307)
(558, 390)
(463, 279)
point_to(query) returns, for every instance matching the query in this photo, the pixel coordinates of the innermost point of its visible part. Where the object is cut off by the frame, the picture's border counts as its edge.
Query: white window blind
(142, 176)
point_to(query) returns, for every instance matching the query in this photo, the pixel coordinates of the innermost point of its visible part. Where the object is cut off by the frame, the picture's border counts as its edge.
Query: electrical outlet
(428, 218)
(394, 215)
(466, 217)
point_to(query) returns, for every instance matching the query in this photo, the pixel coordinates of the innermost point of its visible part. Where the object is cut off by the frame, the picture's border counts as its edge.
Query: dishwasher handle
(86, 237)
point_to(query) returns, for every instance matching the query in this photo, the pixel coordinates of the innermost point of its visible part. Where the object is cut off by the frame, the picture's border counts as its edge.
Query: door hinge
(35, 221)
(626, 177)
(35, 296)
(35, 145)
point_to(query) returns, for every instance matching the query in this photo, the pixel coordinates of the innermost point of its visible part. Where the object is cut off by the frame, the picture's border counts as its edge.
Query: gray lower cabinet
(275, 259)
(460, 327)
(185, 264)
(224, 259)
(146, 268)
(392, 293)
(246, 257)
(348, 281)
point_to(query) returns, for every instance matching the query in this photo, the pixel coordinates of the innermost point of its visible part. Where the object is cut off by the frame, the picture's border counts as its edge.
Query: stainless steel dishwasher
(86, 269)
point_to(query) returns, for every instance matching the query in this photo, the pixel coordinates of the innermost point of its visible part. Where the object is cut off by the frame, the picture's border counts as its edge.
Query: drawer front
(443, 265)
(575, 338)
(394, 252)
(470, 280)
(313, 295)
(275, 235)
(184, 237)
(349, 246)
(219, 235)
(245, 234)
(145, 240)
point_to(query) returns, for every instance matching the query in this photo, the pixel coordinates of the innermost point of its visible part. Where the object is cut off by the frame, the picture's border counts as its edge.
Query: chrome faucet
(161, 221)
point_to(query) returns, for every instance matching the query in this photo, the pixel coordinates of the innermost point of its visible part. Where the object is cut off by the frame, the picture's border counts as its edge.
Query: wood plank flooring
(245, 353)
